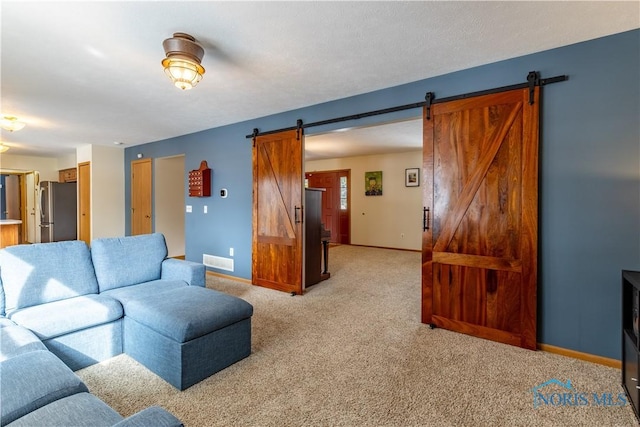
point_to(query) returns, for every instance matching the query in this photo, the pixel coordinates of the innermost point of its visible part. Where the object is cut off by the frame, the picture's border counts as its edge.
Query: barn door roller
(533, 80)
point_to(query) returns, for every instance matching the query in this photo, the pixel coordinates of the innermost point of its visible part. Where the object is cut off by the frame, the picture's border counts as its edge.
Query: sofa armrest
(152, 416)
(178, 269)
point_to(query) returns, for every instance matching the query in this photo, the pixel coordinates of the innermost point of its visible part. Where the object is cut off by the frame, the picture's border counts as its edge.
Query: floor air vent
(217, 262)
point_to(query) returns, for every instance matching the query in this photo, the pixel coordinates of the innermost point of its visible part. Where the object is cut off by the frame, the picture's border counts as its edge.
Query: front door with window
(335, 202)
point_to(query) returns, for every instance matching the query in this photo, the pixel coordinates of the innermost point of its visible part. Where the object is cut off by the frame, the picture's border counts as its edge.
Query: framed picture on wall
(373, 183)
(412, 177)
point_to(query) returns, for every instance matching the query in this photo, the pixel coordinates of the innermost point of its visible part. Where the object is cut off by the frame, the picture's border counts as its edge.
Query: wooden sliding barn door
(278, 212)
(479, 263)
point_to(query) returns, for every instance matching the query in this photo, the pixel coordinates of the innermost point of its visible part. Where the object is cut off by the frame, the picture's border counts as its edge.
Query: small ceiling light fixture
(182, 63)
(3, 147)
(11, 123)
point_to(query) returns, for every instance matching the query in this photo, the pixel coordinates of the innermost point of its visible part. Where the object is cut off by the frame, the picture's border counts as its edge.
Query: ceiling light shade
(182, 63)
(11, 123)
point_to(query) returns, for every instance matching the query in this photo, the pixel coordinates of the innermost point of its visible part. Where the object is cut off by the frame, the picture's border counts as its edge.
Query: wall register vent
(217, 262)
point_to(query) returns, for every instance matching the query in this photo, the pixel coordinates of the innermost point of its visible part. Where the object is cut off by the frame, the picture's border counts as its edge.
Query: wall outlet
(189, 208)
(402, 235)
(230, 251)
(205, 209)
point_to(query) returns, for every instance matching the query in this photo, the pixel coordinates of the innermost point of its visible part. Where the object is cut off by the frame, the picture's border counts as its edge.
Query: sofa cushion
(16, 340)
(4, 322)
(143, 290)
(78, 410)
(46, 272)
(125, 261)
(187, 313)
(32, 380)
(62, 317)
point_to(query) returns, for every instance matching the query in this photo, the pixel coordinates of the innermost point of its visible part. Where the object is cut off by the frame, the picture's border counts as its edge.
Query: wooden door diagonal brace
(265, 163)
(471, 187)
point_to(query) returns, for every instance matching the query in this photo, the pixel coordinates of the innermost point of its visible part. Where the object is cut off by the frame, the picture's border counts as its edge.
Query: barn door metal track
(533, 80)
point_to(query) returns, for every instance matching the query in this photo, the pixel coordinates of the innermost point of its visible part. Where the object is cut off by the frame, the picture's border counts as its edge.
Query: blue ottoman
(185, 335)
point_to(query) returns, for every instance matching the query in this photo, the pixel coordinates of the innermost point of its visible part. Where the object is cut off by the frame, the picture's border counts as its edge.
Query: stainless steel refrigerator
(58, 211)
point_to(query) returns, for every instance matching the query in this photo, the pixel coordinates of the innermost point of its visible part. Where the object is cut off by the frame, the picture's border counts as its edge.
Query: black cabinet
(313, 246)
(631, 336)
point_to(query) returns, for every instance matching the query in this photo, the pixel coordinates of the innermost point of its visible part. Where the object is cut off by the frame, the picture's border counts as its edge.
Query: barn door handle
(298, 214)
(426, 214)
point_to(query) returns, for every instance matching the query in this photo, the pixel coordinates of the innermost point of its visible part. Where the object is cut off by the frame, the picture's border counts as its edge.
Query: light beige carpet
(352, 352)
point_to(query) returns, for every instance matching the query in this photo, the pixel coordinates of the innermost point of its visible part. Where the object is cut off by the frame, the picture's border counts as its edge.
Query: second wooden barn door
(480, 217)
(278, 212)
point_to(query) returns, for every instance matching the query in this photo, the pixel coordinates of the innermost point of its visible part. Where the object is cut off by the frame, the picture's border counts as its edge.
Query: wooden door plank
(529, 233)
(477, 330)
(429, 296)
(493, 263)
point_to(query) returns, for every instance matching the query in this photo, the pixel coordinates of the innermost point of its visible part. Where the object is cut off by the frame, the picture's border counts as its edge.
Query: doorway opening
(18, 202)
(391, 220)
(169, 194)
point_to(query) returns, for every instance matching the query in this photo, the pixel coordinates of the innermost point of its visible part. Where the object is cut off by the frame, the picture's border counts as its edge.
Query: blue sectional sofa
(63, 301)
(37, 389)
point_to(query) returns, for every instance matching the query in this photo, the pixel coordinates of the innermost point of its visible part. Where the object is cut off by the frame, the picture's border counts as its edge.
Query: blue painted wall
(589, 178)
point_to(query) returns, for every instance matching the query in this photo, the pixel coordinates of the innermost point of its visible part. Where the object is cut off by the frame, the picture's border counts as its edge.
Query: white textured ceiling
(89, 72)
(385, 138)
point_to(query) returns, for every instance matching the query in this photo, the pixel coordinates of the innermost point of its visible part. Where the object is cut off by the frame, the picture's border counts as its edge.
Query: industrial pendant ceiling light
(182, 63)
(11, 123)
